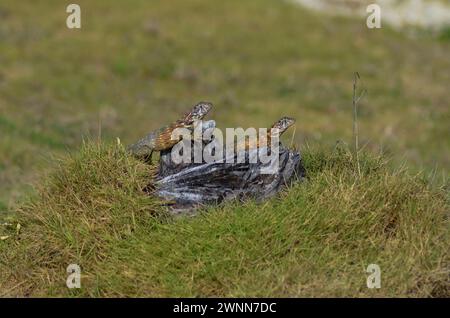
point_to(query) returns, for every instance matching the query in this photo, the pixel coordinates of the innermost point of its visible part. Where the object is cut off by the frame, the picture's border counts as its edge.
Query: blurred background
(137, 65)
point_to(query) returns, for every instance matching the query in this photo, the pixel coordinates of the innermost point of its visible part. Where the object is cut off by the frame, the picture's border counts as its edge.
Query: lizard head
(283, 124)
(198, 112)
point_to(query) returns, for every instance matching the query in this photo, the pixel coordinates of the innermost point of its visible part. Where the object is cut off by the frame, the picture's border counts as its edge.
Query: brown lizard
(160, 139)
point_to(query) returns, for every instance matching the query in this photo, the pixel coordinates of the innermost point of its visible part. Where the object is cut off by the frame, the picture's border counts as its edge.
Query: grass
(315, 239)
(256, 60)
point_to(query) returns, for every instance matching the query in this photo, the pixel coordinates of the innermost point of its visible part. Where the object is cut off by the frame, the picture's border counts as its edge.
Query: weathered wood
(193, 185)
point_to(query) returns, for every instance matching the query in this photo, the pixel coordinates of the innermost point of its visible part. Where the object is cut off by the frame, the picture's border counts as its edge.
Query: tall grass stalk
(355, 101)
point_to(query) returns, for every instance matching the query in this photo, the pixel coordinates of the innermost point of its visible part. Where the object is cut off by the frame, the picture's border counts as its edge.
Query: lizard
(160, 139)
(281, 125)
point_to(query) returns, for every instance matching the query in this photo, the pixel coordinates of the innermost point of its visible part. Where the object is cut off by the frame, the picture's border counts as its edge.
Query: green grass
(445, 34)
(315, 239)
(123, 75)
(256, 60)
